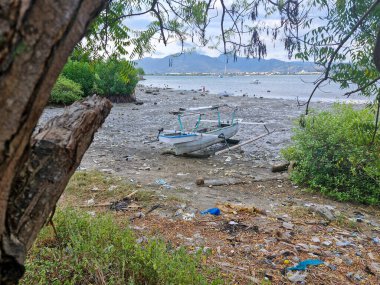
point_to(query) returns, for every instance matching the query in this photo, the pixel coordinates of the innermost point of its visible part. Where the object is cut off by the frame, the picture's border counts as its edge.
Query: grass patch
(94, 250)
(101, 187)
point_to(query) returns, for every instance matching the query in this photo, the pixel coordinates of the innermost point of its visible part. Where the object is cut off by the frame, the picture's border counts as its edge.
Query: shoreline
(282, 87)
(126, 146)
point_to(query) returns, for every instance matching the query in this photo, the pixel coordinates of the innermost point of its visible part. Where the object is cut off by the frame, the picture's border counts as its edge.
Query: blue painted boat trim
(180, 136)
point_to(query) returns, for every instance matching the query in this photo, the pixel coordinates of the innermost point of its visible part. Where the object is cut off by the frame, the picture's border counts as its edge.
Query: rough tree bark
(376, 52)
(36, 37)
(55, 152)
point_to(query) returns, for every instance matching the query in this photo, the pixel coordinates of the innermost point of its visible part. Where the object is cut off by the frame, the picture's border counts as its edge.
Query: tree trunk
(36, 37)
(376, 52)
(56, 151)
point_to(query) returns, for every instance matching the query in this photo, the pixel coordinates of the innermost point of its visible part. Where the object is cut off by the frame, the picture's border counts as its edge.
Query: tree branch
(363, 87)
(332, 57)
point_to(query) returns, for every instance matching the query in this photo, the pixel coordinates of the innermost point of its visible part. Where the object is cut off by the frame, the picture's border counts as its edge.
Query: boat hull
(175, 138)
(203, 140)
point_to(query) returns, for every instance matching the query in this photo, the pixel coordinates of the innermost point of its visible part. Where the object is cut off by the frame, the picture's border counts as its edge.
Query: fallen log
(55, 153)
(219, 182)
(280, 167)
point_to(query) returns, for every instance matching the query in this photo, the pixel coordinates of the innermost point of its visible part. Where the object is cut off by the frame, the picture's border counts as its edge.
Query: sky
(275, 49)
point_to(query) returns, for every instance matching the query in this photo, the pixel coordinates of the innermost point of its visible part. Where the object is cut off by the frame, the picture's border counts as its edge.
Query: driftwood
(218, 182)
(56, 151)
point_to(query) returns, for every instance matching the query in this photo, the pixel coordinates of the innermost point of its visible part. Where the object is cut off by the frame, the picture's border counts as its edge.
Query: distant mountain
(197, 63)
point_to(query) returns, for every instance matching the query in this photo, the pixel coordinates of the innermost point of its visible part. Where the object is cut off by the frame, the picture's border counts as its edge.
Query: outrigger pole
(244, 143)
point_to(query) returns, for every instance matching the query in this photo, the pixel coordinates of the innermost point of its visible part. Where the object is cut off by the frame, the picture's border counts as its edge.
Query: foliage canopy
(338, 35)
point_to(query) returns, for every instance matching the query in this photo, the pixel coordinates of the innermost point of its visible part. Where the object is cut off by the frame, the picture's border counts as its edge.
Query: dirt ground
(282, 223)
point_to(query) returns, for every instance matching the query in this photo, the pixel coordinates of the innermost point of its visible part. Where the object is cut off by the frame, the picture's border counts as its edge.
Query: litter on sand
(212, 211)
(304, 264)
(163, 183)
(235, 208)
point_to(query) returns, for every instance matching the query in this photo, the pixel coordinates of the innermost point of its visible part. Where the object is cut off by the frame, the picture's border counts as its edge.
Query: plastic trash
(376, 240)
(163, 183)
(188, 216)
(160, 181)
(297, 277)
(212, 211)
(343, 243)
(304, 264)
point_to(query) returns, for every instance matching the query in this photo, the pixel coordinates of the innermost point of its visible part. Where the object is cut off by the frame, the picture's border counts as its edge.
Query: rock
(200, 181)
(315, 239)
(325, 211)
(280, 167)
(374, 268)
(139, 103)
(288, 226)
(327, 243)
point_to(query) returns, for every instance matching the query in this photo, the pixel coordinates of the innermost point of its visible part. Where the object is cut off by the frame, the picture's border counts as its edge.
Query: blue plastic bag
(304, 264)
(212, 211)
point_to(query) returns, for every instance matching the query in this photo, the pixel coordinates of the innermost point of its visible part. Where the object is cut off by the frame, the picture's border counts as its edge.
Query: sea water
(268, 86)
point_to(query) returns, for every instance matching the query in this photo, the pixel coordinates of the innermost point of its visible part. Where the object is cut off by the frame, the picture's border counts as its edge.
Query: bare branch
(363, 87)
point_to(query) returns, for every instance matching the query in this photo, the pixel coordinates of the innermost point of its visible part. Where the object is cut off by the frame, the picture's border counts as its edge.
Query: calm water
(273, 86)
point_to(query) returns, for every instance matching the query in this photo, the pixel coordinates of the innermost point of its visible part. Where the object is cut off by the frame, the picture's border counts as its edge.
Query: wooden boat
(199, 138)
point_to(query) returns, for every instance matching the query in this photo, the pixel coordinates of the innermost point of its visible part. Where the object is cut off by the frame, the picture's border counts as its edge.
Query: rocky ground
(267, 223)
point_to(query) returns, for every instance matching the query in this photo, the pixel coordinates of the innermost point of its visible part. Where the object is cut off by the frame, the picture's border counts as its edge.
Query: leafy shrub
(94, 250)
(65, 91)
(140, 71)
(334, 154)
(82, 73)
(115, 77)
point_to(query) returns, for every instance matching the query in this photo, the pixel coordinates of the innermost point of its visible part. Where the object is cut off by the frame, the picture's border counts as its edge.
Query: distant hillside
(197, 63)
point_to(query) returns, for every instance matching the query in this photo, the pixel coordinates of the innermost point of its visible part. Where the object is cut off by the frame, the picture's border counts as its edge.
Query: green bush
(94, 250)
(82, 73)
(335, 154)
(115, 77)
(65, 91)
